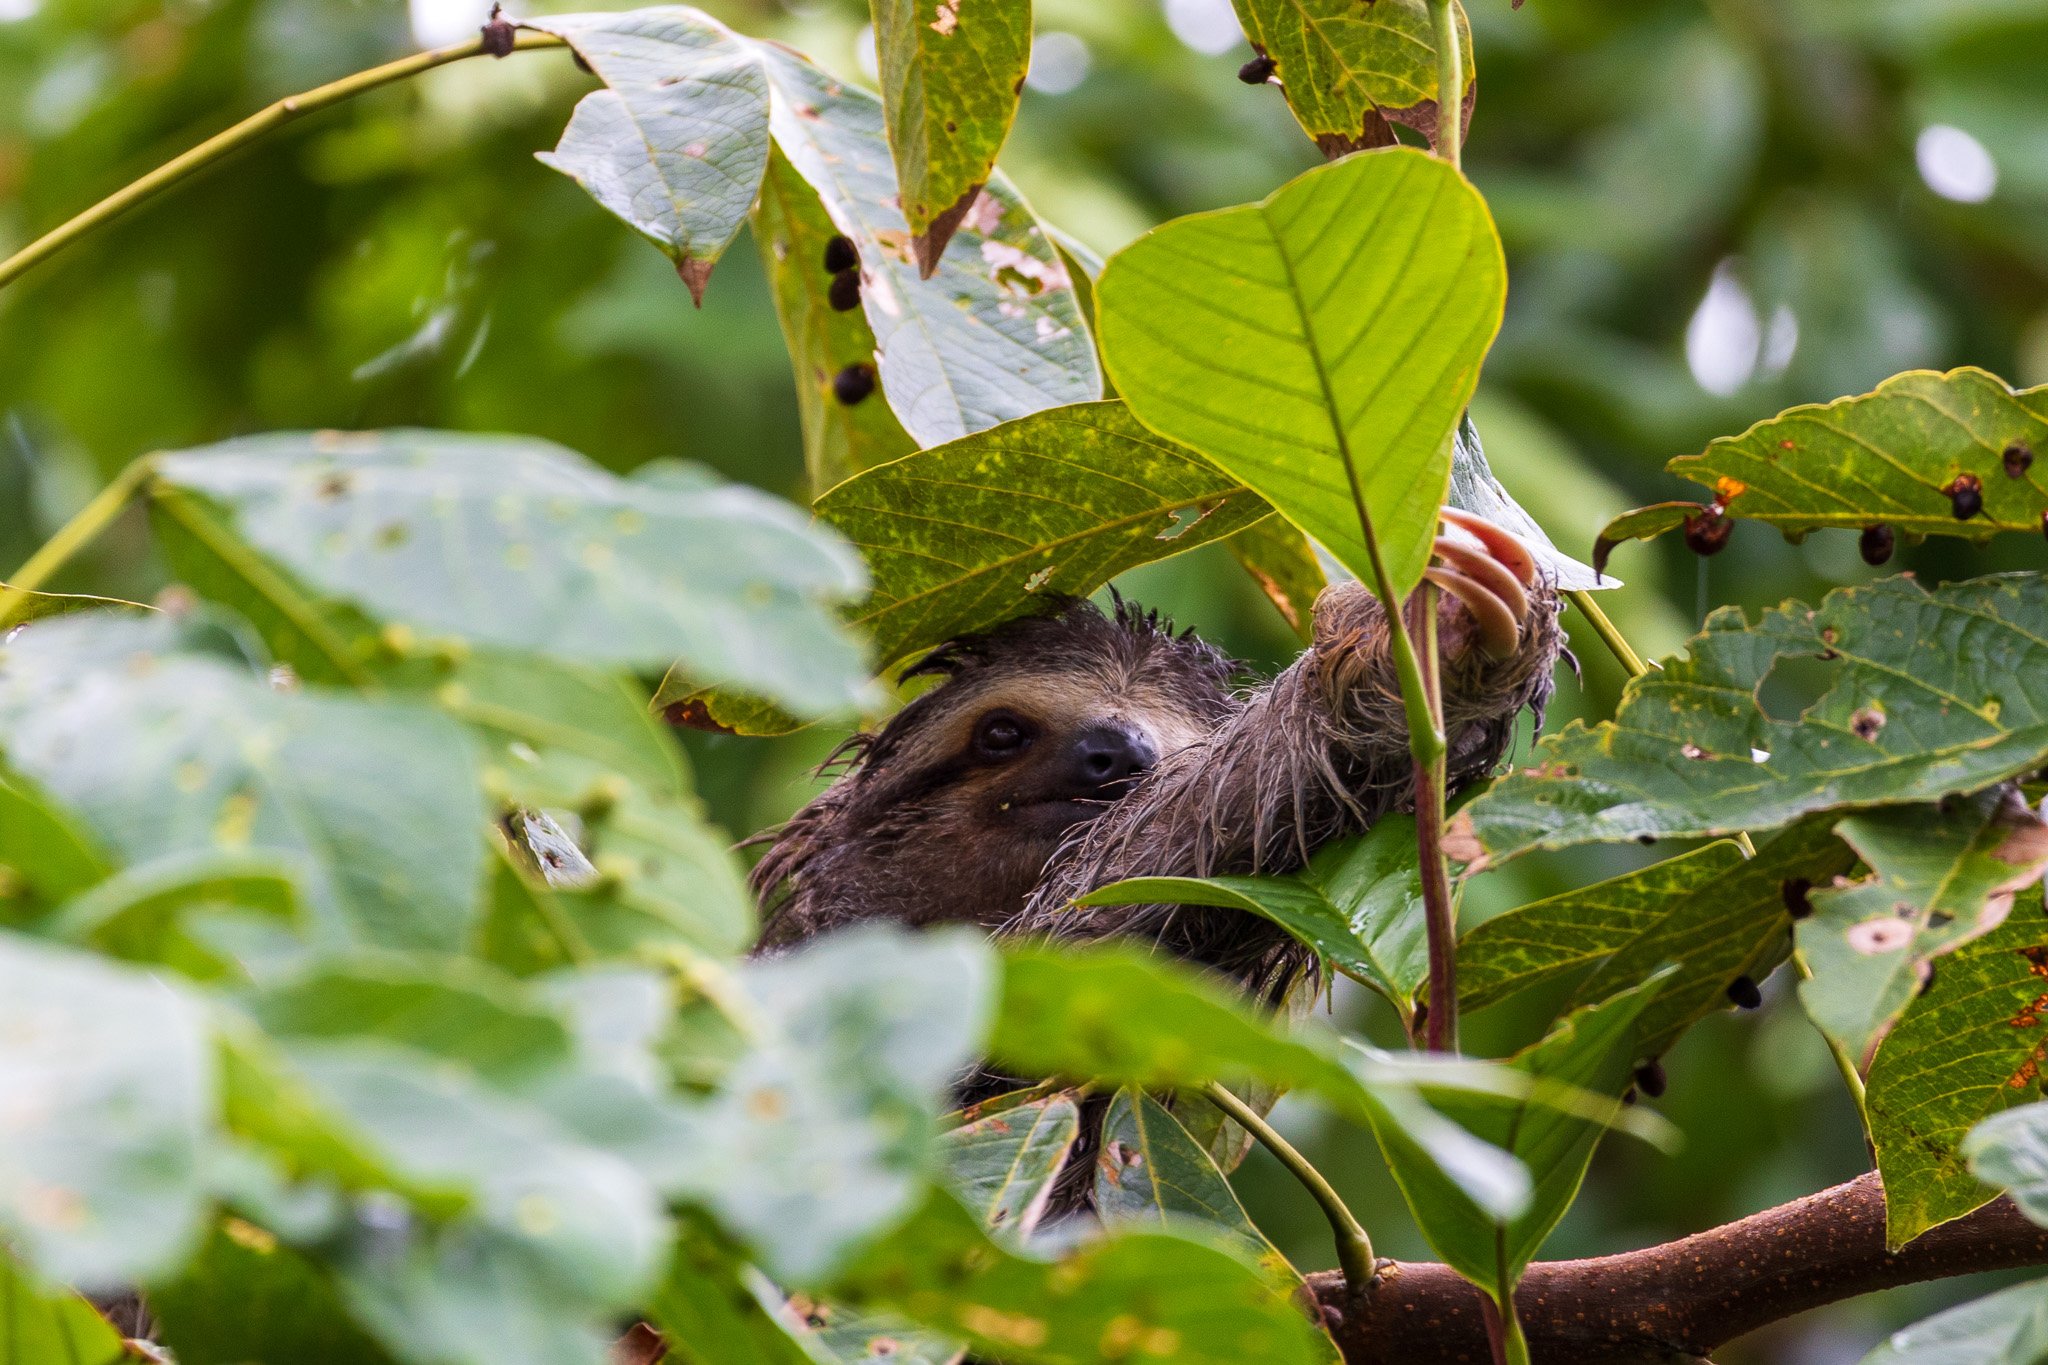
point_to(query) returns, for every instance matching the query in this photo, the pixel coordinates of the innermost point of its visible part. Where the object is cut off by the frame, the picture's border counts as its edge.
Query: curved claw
(1487, 571)
(1503, 544)
(1500, 629)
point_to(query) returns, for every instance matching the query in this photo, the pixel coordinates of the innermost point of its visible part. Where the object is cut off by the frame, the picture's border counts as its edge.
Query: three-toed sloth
(1072, 748)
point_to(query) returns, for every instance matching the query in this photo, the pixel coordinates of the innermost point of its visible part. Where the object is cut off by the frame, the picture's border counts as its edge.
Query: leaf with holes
(963, 536)
(1319, 345)
(518, 543)
(997, 332)
(1915, 454)
(1940, 876)
(1970, 1046)
(1350, 69)
(1929, 692)
(1715, 913)
(951, 74)
(676, 142)
(1358, 903)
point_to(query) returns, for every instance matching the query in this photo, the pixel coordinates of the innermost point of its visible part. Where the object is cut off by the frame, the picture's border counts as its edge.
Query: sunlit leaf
(1693, 752)
(963, 536)
(1327, 337)
(951, 74)
(1940, 876)
(676, 143)
(55, 1325)
(2009, 1327)
(1350, 69)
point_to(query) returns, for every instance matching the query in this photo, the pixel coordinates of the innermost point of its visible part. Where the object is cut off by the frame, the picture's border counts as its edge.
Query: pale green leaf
(2010, 1150)
(48, 1326)
(2009, 1327)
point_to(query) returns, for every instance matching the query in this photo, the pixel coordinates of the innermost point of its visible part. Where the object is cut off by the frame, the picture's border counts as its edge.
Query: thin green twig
(73, 536)
(1450, 82)
(1617, 644)
(1354, 1248)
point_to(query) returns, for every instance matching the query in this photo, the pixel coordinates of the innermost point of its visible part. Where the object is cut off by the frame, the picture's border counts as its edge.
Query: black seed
(1257, 71)
(844, 295)
(2019, 458)
(1628, 1096)
(1707, 533)
(1965, 496)
(853, 383)
(1877, 543)
(1794, 891)
(840, 255)
(1650, 1078)
(1744, 993)
(498, 34)
(1646, 838)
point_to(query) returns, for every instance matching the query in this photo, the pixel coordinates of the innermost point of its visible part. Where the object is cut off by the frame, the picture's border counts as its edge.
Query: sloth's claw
(1489, 570)
(1503, 544)
(1500, 631)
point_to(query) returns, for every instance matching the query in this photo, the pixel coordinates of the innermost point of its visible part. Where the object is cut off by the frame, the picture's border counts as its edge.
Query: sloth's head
(951, 810)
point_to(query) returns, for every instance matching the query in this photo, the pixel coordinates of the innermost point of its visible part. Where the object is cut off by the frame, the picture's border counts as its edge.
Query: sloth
(1073, 747)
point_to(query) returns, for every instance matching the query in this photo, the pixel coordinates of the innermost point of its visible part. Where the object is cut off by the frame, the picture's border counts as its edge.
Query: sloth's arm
(1320, 752)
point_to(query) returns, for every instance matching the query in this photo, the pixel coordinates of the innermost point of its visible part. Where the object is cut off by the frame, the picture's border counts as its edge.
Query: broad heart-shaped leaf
(676, 143)
(792, 230)
(1714, 913)
(518, 543)
(1152, 1172)
(823, 1134)
(1930, 693)
(997, 332)
(1002, 1166)
(2006, 1328)
(53, 1325)
(1940, 876)
(1888, 456)
(2010, 1150)
(107, 1088)
(1128, 1296)
(1593, 1049)
(161, 751)
(1358, 903)
(951, 75)
(1970, 1046)
(1350, 69)
(1319, 345)
(961, 537)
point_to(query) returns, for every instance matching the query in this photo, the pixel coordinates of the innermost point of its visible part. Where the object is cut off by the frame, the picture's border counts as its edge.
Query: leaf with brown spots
(1351, 67)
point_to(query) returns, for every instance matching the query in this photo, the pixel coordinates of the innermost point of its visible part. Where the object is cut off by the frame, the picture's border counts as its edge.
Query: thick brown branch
(1678, 1301)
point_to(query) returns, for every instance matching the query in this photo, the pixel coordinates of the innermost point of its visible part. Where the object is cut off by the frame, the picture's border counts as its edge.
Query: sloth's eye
(1000, 735)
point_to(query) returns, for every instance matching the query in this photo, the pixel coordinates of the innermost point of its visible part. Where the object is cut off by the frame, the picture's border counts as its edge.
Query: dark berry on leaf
(1965, 496)
(853, 383)
(1744, 993)
(1707, 533)
(1650, 1078)
(1877, 544)
(1257, 71)
(2019, 458)
(1794, 890)
(844, 295)
(840, 255)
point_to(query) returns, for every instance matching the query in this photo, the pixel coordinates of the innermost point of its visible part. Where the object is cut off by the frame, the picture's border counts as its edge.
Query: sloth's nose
(1111, 756)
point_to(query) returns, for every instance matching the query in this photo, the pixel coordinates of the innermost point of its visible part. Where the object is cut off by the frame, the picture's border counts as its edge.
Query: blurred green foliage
(1713, 209)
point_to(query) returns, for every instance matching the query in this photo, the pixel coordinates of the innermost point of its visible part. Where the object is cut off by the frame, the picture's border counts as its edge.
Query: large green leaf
(1940, 876)
(676, 143)
(997, 332)
(1003, 1166)
(2009, 1327)
(962, 536)
(793, 231)
(162, 751)
(950, 80)
(1358, 903)
(162, 911)
(1350, 69)
(1713, 912)
(1969, 1047)
(106, 1092)
(1929, 692)
(1890, 456)
(518, 543)
(1319, 345)
(40, 1325)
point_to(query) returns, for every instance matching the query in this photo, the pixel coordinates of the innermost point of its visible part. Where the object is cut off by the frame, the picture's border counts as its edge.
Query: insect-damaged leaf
(1929, 693)
(1893, 457)
(1349, 69)
(676, 143)
(519, 543)
(1003, 1166)
(951, 72)
(1970, 1046)
(1940, 876)
(1329, 334)
(996, 333)
(958, 538)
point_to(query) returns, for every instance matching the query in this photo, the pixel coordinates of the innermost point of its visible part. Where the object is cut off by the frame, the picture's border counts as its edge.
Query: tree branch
(1679, 1301)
